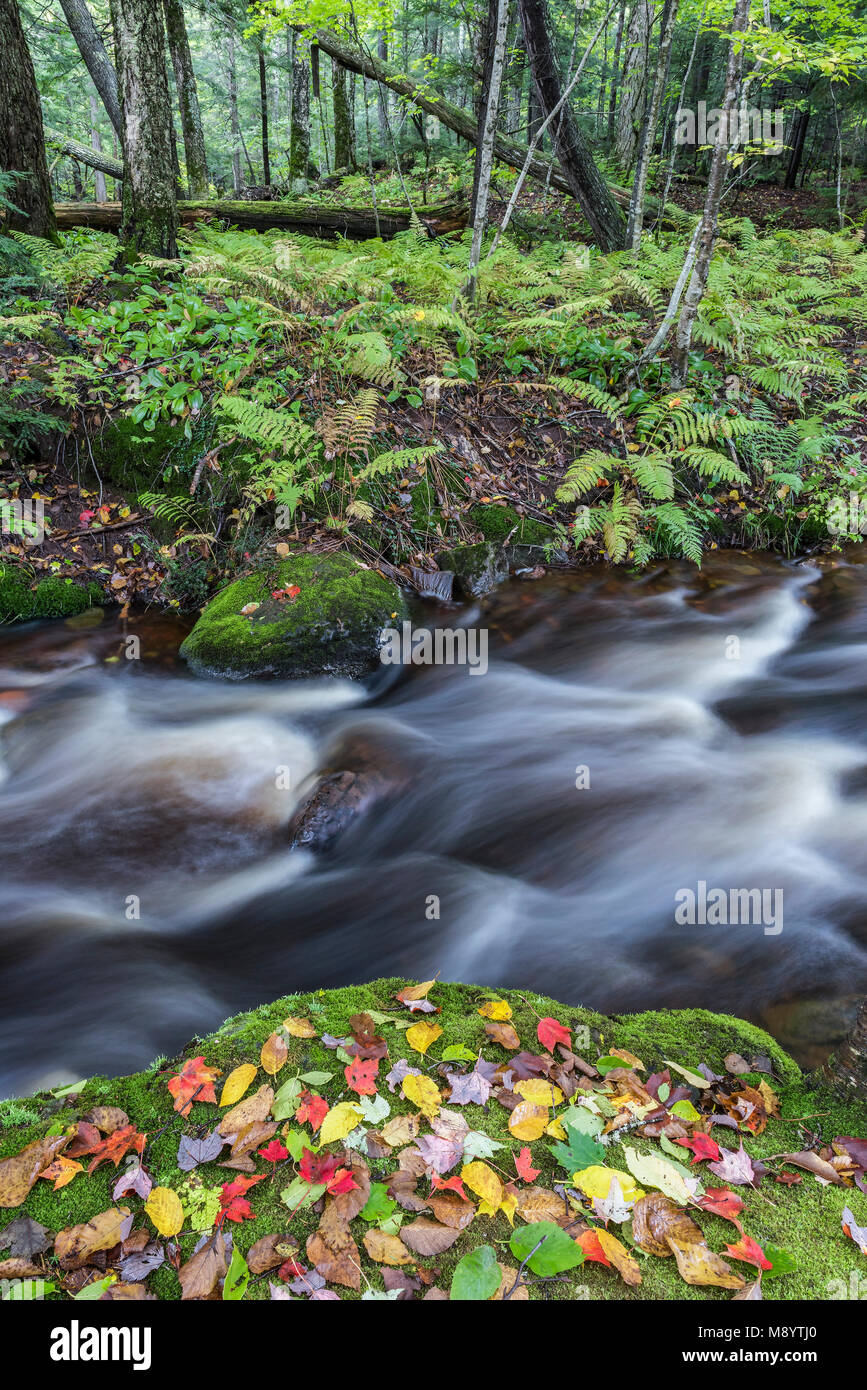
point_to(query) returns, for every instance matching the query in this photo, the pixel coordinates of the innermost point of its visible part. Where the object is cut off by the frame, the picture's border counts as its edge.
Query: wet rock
(477, 568)
(362, 773)
(433, 583)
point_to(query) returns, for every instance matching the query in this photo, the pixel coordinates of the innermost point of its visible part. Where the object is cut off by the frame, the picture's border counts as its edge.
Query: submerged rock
(310, 615)
(361, 774)
(477, 568)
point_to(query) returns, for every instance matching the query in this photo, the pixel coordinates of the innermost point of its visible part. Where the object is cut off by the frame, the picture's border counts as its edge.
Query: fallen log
(310, 219)
(94, 159)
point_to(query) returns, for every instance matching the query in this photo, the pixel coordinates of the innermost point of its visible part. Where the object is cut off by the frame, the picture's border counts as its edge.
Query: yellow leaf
(496, 1009)
(509, 1206)
(341, 1120)
(628, 1057)
(163, 1206)
(422, 1034)
(237, 1082)
(539, 1091)
(528, 1121)
(482, 1180)
(273, 1055)
(416, 991)
(595, 1181)
(299, 1027)
(421, 1091)
(556, 1130)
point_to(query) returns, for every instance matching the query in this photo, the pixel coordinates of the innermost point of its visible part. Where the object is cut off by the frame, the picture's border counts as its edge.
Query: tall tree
(344, 156)
(584, 179)
(299, 140)
(96, 143)
(96, 58)
(234, 123)
(188, 99)
(263, 114)
(635, 221)
(497, 30)
(22, 147)
(150, 212)
(633, 82)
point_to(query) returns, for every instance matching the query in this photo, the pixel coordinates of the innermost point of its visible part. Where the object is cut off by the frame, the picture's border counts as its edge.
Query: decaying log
(310, 219)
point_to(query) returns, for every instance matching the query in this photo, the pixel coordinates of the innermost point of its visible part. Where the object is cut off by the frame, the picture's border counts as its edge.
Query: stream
(147, 889)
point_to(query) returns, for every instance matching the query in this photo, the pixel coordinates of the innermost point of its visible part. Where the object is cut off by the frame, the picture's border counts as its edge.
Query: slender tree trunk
(710, 216)
(96, 144)
(584, 179)
(382, 96)
(150, 208)
(234, 123)
(615, 74)
(847, 1069)
(22, 146)
(633, 91)
(96, 59)
(343, 154)
(798, 139)
(648, 131)
(188, 99)
(484, 57)
(498, 29)
(299, 145)
(263, 116)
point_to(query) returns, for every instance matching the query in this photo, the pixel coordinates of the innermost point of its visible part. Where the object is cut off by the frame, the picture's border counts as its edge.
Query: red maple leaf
(291, 1269)
(324, 1168)
(747, 1250)
(274, 1152)
(453, 1184)
(526, 1171)
(115, 1145)
(233, 1204)
(194, 1080)
(361, 1075)
(589, 1242)
(550, 1032)
(86, 517)
(722, 1202)
(702, 1146)
(85, 1139)
(311, 1108)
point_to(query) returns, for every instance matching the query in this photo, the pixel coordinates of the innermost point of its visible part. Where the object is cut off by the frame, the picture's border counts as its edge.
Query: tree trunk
(263, 114)
(382, 98)
(343, 152)
(94, 159)
(497, 30)
(615, 74)
(309, 219)
(847, 1069)
(99, 191)
(798, 139)
(22, 149)
(585, 181)
(188, 99)
(150, 209)
(96, 59)
(299, 142)
(648, 130)
(485, 58)
(234, 123)
(633, 83)
(710, 216)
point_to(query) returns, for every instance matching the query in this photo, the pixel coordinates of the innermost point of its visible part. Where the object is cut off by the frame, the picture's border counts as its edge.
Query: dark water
(123, 780)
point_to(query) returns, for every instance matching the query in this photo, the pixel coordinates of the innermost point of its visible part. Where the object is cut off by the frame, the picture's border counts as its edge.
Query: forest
(339, 340)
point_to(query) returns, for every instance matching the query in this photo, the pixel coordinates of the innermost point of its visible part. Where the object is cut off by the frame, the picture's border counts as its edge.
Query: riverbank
(381, 1133)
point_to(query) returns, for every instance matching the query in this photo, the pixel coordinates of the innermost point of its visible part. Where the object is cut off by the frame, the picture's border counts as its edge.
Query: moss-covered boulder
(477, 568)
(398, 1221)
(52, 597)
(308, 615)
(498, 521)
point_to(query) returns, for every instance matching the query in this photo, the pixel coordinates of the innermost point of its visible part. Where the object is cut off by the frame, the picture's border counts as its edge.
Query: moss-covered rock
(477, 568)
(52, 597)
(332, 625)
(496, 522)
(804, 1220)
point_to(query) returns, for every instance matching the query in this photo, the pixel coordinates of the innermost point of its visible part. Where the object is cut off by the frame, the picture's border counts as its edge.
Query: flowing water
(129, 787)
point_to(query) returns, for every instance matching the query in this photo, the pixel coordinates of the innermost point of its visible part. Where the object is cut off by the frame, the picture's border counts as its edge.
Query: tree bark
(584, 179)
(498, 27)
(648, 129)
(344, 157)
(615, 74)
(710, 216)
(299, 142)
(234, 123)
(847, 1069)
(96, 59)
(150, 208)
(22, 147)
(263, 116)
(188, 99)
(99, 189)
(799, 137)
(382, 97)
(311, 220)
(94, 159)
(633, 93)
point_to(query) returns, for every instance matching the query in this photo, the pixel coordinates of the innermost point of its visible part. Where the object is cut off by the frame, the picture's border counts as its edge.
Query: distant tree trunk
(847, 1069)
(516, 81)
(263, 113)
(299, 144)
(96, 59)
(497, 30)
(633, 93)
(797, 139)
(343, 154)
(584, 179)
(710, 216)
(150, 207)
(382, 96)
(615, 74)
(485, 57)
(99, 192)
(22, 147)
(188, 99)
(635, 221)
(234, 123)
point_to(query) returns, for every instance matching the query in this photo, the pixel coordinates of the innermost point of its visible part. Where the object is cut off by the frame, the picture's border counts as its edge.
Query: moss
(333, 625)
(135, 459)
(803, 1220)
(497, 522)
(53, 597)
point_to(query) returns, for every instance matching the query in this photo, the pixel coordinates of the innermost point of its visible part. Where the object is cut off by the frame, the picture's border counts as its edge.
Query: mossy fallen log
(311, 219)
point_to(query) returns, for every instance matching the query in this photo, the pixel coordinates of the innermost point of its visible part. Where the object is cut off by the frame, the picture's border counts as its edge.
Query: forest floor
(392, 1140)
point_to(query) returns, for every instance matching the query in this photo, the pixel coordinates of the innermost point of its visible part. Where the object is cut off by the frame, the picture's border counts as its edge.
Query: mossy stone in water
(332, 627)
(497, 522)
(477, 568)
(53, 597)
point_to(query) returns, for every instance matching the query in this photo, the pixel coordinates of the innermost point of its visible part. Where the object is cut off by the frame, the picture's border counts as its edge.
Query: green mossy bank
(52, 597)
(803, 1220)
(326, 619)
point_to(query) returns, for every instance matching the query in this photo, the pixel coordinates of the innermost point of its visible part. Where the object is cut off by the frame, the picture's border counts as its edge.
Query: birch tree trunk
(22, 146)
(99, 191)
(635, 221)
(615, 74)
(188, 99)
(234, 123)
(633, 83)
(96, 59)
(485, 147)
(710, 216)
(150, 221)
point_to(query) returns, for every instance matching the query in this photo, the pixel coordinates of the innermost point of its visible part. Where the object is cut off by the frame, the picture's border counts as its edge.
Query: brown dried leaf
(198, 1277)
(333, 1251)
(698, 1265)
(19, 1173)
(74, 1246)
(655, 1217)
(386, 1249)
(248, 1111)
(426, 1237)
(107, 1118)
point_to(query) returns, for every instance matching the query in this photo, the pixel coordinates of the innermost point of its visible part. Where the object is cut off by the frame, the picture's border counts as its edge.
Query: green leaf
(685, 1110)
(237, 1279)
(476, 1276)
(93, 1291)
(312, 1078)
(556, 1253)
(379, 1205)
(458, 1053)
(300, 1194)
(781, 1262)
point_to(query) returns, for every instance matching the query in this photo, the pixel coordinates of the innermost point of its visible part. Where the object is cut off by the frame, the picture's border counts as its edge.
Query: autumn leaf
(747, 1250)
(482, 1180)
(274, 1054)
(504, 1034)
(496, 1009)
(115, 1146)
(386, 1249)
(341, 1120)
(421, 1091)
(234, 1206)
(550, 1032)
(299, 1027)
(62, 1171)
(311, 1110)
(701, 1146)
(528, 1121)
(526, 1171)
(274, 1152)
(361, 1075)
(236, 1083)
(194, 1081)
(75, 1245)
(19, 1173)
(163, 1206)
(422, 1034)
(333, 1251)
